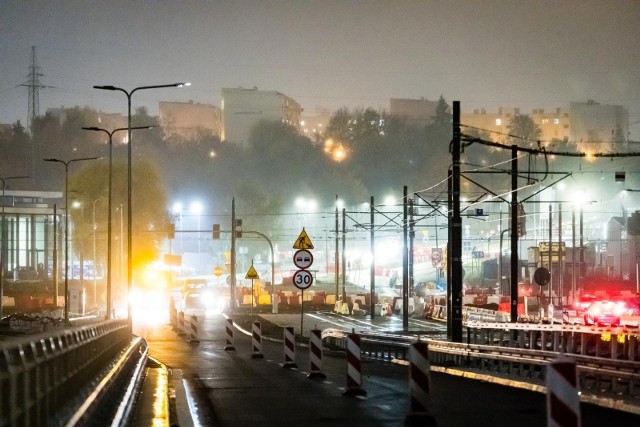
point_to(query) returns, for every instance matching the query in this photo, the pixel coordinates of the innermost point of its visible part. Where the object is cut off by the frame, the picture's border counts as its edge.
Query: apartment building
(189, 120)
(417, 112)
(242, 109)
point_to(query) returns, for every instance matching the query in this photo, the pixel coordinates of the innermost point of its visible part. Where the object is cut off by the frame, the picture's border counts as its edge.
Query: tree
(522, 130)
(89, 185)
(441, 129)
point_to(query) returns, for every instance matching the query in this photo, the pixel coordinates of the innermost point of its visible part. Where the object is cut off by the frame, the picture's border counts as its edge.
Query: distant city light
(195, 208)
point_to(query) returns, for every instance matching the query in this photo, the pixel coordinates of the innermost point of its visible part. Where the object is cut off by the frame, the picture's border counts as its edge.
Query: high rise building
(242, 109)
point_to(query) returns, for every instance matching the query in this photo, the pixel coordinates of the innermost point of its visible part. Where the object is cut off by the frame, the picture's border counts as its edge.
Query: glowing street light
(110, 135)
(66, 227)
(129, 94)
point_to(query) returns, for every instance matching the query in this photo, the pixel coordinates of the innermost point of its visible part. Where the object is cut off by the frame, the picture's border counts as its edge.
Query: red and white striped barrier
(315, 354)
(193, 329)
(419, 385)
(181, 330)
(563, 400)
(256, 340)
(354, 367)
(173, 313)
(289, 348)
(228, 329)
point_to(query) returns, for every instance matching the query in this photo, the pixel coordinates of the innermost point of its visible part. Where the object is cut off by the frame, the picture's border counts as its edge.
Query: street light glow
(195, 208)
(129, 94)
(109, 229)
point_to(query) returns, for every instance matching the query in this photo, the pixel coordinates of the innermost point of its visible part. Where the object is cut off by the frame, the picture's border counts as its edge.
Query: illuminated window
(498, 122)
(556, 121)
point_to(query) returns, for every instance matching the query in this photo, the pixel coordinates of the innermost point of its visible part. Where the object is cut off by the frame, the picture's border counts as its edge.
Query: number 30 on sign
(302, 279)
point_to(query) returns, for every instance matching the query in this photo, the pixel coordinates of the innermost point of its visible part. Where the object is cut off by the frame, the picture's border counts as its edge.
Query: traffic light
(238, 224)
(216, 231)
(522, 221)
(171, 233)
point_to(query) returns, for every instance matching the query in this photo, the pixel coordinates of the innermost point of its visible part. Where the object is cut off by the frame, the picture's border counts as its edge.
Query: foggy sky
(528, 54)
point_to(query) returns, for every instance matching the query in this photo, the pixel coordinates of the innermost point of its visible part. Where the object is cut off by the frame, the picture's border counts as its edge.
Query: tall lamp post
(129, 94)
(66, 227)
(110, 135)
(2, 236)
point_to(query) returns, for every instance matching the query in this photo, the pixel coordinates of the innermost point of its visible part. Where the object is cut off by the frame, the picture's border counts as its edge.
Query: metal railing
(45, 378)
(601, 376)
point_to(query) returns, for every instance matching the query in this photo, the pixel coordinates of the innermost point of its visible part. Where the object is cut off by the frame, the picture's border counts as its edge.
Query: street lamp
(2, 236)
(129, 94)
(66, 227)
(110, 134)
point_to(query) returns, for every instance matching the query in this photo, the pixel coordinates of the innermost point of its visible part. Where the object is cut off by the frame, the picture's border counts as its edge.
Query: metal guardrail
(606, 342)
(41, 375)
(600, 376)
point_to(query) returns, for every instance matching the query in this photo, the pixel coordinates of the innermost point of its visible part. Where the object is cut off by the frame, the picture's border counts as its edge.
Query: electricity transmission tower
(34, 85)
(33, 107)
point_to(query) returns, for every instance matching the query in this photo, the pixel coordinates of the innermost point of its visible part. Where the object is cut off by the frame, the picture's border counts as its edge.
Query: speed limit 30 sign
(302, 279)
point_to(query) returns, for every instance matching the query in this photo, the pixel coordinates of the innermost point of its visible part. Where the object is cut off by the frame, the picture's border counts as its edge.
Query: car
(194, 301)
(583, 303)
(25, 273)
(604, 313)
(204, 300)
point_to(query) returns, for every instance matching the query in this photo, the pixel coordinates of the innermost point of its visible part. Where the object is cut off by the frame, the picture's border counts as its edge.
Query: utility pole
(412, 235)
(514, 235)
(337, 260)
(448, 264)
(405, 264)
(372, 272)
(233, 255)
(455, 252)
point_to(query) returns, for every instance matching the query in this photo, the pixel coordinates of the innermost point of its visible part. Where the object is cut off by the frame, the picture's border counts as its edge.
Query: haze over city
(324, 54)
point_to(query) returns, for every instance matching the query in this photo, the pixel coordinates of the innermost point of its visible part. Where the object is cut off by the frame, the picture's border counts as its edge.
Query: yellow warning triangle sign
(252, 273)
(303, 241)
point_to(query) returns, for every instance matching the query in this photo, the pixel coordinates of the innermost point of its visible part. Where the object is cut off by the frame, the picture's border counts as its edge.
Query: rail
(601, 376)
(61, 378)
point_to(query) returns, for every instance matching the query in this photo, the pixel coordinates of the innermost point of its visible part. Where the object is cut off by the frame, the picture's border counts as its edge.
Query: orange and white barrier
(315, 354)
(563, 400)
(354, 367)
(173, 313)
(419, 385)
(289, 348)
(181, 330)
(193, 329)
(256, 340)
(228, 329)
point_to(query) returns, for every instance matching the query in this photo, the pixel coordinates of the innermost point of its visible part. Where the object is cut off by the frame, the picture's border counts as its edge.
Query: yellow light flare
(339, 154)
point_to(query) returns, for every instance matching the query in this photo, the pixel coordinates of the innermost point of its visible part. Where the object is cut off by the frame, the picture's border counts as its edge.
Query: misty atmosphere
(449, 190)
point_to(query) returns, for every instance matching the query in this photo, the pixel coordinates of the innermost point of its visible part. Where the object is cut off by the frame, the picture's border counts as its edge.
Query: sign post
(302, 279)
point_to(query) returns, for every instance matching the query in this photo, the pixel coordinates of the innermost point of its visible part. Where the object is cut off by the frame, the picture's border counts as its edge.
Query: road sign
(302, 279)
(303, 259)
(303, 241)
(252, 273)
